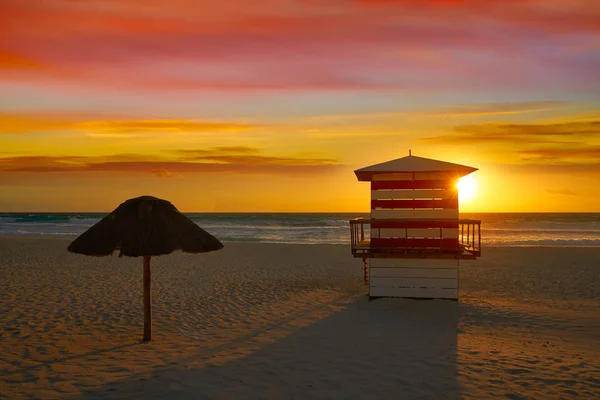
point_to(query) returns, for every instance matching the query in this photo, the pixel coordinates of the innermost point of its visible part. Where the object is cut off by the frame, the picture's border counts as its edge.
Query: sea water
(497, 229)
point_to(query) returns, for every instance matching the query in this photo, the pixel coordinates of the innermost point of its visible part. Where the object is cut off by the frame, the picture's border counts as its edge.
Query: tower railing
(467, 245)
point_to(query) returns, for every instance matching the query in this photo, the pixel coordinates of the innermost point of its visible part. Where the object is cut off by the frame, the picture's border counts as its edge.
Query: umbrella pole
(147, 300)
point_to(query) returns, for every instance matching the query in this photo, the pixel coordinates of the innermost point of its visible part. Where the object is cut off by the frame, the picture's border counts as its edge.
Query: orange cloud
(132, 163)
(31, 122)
(411, 3)
(563, 152)
(193, 154)
(523, 133)
(458, 110)
(28, 123)
(162, 125)
(163, 173)
(497, 108)
(562, 192)
(555, 167)
(14, 60)
(245, 155)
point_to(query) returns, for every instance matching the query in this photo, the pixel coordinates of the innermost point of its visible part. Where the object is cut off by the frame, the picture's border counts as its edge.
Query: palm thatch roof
(144, 226)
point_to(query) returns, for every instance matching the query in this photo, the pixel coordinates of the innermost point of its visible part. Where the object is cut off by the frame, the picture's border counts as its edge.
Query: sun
(467, 188)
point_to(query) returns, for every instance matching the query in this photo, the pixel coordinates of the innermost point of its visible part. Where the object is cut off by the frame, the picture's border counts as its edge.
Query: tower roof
(412, 164)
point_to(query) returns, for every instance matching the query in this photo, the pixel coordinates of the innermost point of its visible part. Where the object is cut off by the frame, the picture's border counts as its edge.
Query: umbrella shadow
(387, 347)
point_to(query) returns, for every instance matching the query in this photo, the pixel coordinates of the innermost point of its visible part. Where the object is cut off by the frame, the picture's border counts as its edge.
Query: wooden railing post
(362, 232)
(479, 231)
(468, 235)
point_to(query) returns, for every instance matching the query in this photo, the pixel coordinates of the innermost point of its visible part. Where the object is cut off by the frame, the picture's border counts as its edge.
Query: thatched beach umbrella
(144, 226)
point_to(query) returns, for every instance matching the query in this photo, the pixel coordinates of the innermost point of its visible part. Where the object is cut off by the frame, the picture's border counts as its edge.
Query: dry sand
(292, 321)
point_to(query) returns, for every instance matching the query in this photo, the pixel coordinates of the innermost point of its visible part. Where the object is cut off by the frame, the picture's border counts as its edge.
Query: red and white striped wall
(417, 211)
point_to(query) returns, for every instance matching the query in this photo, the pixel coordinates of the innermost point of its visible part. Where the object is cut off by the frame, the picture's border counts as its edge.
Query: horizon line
(303, 212)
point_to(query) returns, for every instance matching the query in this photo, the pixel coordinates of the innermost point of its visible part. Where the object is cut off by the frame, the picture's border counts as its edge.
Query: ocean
(497, 229)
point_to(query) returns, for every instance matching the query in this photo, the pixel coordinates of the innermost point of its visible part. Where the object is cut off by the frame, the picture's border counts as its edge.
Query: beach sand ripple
(292, 321)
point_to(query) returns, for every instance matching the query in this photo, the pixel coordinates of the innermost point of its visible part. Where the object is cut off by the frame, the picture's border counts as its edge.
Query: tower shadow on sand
(385, 348)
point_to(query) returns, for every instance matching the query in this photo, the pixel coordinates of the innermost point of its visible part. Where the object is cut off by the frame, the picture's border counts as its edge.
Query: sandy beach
(282, 321)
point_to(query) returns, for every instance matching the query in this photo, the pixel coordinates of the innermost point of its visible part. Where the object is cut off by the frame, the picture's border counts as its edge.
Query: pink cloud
(290, 45)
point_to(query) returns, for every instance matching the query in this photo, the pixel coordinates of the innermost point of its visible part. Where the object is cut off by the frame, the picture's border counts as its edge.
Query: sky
(269, 106)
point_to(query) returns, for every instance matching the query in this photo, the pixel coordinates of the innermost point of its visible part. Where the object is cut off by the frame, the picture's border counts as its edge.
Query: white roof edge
(410, 164)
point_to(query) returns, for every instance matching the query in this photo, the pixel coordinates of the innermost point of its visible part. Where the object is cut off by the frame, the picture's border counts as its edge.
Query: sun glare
(467, 188)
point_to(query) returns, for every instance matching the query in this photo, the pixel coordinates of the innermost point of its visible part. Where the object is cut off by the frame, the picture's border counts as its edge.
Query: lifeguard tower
(414, 240)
